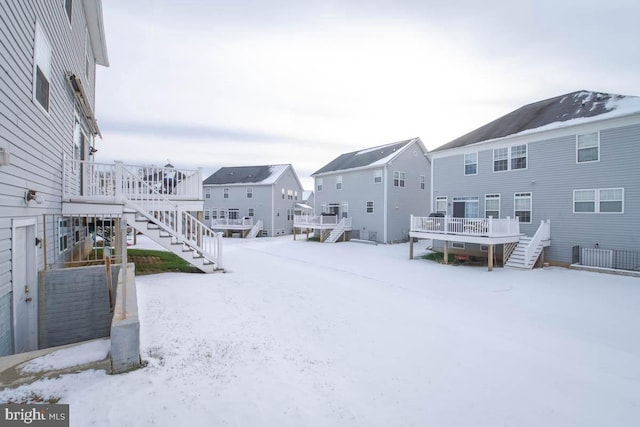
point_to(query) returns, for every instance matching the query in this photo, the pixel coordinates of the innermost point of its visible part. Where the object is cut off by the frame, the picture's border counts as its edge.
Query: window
(398, 179)
(339, 182)
(223, 213)
(492, 205)
(282, 193)
(522, 207)
(251, 213)
(607, 200)
(500, 159)
(295, 195)
(323, 207)
(441, 204)
(319, 183)
(63, 238)
(377, 176)
(214, 214)
(290, 194)
(249, 192)
(345, 209)
(471, 164)
(68, 7)
(41, 69)
(465, 207)
(225, 193)
(277, 212)
(422, 185)
(369, 207)
(207, 215)
(510, 158)
(519, 157)
(234, 213)
(289, 215)
(87, 46)
(588, 147)
(207, 193)
(484, 248)
(456, 245)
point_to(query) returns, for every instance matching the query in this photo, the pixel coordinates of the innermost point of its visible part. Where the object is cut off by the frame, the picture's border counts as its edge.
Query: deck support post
(490, 260)
(294, 233)
(410, 247)
(446, 252)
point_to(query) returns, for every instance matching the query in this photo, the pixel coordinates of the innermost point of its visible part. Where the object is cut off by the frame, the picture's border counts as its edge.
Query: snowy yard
(298, 333)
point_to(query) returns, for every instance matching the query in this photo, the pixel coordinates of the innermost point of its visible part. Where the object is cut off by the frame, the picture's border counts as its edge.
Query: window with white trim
(339, 182)
(492, 205)
(377, 176)
(456, 245)
(441, 204)
(41, 69)
(282, 191)
(223, 213)
(422, 182)
(225, 193)
(588, 147)
(207, 215)
(605, 200)
(471, 164)
(319, 184)
(207, 193)
(510, 158)
(251, 213)
(214, 213)
(398, 179)
(63, 234)
(522, 207)
(519, 157)
(323, 207)
(369, 207)
(249, 192)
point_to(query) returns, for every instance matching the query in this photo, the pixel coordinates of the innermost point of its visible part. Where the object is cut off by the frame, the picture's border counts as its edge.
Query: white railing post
(119, 183)
(411, 225)
(198, 184)
(446, 224)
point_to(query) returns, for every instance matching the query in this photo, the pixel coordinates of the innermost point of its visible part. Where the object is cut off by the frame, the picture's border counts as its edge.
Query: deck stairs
(339, 230)
(256, 229)
(528, 250)
(162, 220)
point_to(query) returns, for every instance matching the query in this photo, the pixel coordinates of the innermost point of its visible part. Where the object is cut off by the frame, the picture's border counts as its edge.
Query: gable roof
(560, 111)
(374, 156)
(263, 175)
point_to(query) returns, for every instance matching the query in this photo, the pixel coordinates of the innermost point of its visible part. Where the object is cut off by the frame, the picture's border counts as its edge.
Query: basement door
(25, 285)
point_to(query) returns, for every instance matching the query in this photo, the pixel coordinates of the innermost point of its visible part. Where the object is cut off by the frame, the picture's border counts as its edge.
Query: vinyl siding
(37, 141)
(551, 176)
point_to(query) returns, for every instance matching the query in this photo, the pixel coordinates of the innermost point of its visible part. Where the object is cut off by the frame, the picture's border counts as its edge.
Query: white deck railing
(485, 227)
(226, 222)
(314, 220)
(95, 181)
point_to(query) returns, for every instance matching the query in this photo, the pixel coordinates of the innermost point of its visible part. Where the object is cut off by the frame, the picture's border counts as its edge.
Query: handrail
(489, 227)
(542, 233)
(167, 215)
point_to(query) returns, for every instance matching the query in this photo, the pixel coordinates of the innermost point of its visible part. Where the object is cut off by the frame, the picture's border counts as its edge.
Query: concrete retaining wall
(125, 326)
(74, 305)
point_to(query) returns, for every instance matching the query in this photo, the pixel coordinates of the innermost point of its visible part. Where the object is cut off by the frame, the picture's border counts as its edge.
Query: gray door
(25, 285)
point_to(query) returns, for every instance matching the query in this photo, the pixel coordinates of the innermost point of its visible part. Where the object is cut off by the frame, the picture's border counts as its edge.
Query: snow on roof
(565, 110)
(374, 156)
(264, 175)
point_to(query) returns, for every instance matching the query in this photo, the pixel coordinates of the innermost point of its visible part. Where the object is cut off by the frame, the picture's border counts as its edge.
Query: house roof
(365, 158)
(565, 110)
(95, 26)
(264, 175)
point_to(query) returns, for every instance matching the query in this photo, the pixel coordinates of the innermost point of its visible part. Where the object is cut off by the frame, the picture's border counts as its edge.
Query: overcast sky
(227, 83)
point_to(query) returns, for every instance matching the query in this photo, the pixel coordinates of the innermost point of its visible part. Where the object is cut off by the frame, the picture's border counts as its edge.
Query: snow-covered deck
(490, 231)
(318, 222)
(89, 186)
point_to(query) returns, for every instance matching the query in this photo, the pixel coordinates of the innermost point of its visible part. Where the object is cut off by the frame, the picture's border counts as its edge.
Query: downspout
(433, 196)
(385, 202)
(273, 209)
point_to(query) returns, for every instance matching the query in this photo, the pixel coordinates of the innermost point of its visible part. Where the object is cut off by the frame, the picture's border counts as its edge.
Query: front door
(25, 285)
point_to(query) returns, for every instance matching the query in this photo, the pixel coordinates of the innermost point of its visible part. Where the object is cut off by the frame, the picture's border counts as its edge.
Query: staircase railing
(257, 227)
(543, 233)
(340, 228)
(167, 215)
(508, 250)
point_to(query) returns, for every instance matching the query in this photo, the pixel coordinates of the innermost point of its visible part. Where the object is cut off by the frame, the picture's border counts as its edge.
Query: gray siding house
(252, 200)
(377, 189)
(49, 53)
(569, 162)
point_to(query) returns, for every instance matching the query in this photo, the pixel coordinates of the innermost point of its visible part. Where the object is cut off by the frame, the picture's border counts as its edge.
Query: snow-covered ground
(298, 333)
